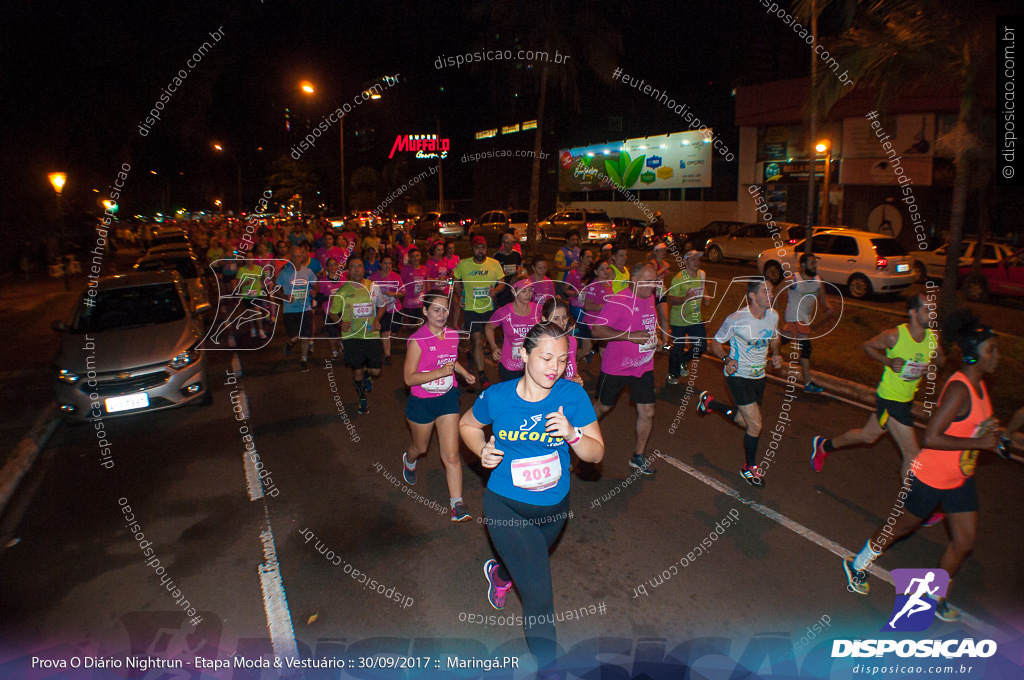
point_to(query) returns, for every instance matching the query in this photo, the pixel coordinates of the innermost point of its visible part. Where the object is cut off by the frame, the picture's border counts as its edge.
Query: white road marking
(801, 530)
(275, 601)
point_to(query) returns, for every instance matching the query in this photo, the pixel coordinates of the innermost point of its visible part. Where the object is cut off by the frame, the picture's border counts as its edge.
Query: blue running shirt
(518, 428)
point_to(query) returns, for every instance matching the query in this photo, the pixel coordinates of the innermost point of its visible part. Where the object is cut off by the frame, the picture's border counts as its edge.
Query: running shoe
(590, 356)
(666, 347)
(304, 366)
(947, 612)
(642, 464)
(818, 453)
(685, 372)
(752, 476)
(856, 581)
(813, 388)
(288, 347)
(672, 380)
(460, 513)
(252, 332)
(334, 354)
(364, 407)
(702, 402)
(387, 360)
(408, 473)
(497, 590)
(231, 341)
(263, 334)
(934, 519)
(368, 384)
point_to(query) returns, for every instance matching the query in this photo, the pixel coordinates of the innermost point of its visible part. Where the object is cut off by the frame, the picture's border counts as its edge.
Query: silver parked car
(863, 261)
(493, 224)
(132, 346)
(591, 225)
(185, 263)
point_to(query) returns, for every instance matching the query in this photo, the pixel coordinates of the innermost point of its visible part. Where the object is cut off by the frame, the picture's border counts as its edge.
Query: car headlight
(186, 358)
(66, 376)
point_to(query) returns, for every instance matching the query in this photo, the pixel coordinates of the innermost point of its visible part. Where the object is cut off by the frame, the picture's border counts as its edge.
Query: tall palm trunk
(538, 140)
(961, 187)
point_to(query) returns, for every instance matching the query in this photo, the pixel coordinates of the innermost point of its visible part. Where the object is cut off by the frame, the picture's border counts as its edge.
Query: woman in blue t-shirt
(534, 421)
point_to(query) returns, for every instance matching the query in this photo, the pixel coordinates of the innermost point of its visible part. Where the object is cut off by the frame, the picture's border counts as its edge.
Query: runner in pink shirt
(390, 283)
(574, 285)
(556, 311)
(630, 324)
(329, 250)
(438, 273)
(430, 367)
(331, 279)
(515, 320)
(543, 287)
(597, 285)
(414, 281)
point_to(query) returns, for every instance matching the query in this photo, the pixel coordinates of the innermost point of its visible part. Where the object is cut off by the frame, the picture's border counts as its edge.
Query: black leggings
(523, 534)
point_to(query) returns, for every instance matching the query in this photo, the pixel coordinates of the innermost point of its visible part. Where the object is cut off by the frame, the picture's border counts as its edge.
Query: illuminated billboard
(678, 160)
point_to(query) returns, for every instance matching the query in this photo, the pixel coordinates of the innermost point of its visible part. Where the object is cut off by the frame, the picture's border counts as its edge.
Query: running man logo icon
(527, 425)
(914, 609)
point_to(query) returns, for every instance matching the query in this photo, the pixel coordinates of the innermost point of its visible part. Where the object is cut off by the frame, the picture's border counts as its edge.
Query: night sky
(78, 78)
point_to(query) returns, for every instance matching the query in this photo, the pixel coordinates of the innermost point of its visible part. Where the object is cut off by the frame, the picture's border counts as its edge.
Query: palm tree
(901, 46)
(289, 178)
(584, 32)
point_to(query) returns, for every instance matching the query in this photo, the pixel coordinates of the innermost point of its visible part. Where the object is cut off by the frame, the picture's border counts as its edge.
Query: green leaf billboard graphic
(624, 171)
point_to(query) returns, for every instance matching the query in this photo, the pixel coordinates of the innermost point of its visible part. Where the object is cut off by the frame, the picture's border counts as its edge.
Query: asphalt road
(74, 580)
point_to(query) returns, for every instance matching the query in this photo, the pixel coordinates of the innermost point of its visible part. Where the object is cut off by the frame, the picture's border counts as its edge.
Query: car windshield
(121, 308)
(598, 217)
(519, 216)
(450, 217)
(183, 265)
(888, 247)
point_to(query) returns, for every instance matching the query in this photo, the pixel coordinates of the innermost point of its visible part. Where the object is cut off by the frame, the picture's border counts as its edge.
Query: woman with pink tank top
(430, 367)
(515, 320)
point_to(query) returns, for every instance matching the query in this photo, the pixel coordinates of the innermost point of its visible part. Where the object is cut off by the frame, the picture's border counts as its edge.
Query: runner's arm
(876, 346)
(954, 400)
(412, 362)
(472, 432)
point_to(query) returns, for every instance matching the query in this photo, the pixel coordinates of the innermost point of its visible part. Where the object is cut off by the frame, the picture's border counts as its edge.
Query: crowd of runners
(532, 421)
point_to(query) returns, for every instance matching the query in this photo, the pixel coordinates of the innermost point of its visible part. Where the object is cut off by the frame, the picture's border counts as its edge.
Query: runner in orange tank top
(943, 472)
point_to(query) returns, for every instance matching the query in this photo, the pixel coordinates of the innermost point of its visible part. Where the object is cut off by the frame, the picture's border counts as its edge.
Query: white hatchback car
(863, 261)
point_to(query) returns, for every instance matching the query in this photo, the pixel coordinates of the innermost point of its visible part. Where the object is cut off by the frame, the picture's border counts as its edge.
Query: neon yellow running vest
(916, 357)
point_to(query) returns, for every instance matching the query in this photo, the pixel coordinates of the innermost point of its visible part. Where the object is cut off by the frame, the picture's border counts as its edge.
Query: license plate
(903, 268)
(127, 402)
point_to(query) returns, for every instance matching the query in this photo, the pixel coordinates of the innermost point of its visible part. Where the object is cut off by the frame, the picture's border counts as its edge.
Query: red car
(1005, 277)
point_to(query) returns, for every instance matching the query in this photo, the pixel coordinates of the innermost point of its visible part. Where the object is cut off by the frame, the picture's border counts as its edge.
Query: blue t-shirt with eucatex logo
(518, 428)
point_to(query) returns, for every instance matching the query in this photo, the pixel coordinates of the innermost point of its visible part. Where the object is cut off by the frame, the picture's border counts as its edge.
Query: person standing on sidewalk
(805, 296)
(944, 469)
(630, 324)
(686, 296)
(750, 333)
(906, 353)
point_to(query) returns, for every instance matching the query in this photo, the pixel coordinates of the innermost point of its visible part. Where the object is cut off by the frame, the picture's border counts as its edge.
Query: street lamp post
(309, 90)
(238, 166)
(57, 180)
(825, 147)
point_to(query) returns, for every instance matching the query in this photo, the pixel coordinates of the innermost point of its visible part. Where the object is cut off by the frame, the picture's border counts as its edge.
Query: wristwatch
(578, 432)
